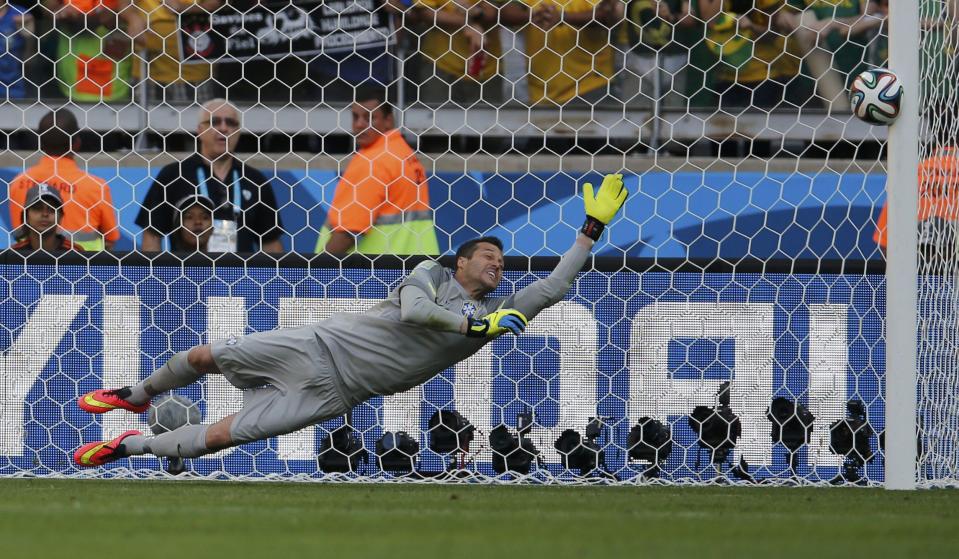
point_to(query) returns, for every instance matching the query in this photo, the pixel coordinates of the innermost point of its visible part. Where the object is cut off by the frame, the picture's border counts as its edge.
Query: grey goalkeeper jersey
(378, 353)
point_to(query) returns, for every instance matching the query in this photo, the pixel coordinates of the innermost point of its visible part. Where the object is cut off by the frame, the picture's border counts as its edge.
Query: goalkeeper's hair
(467, 249)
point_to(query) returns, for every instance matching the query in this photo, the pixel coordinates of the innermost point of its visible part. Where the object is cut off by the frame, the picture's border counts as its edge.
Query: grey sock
(175, 373)
(188, 441)
(133, 445)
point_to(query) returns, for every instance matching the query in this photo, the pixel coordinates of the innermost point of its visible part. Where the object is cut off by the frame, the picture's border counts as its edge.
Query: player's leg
(267, 412)
(301, 392)
(189, 441)
(183, 369)
(291, 381)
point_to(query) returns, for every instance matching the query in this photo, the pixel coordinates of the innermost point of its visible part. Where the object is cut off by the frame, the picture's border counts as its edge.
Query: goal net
(729, 329)
(938, 420)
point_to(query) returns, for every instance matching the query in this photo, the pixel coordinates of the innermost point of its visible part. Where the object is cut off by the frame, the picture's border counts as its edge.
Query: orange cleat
(99, 453)
(102, 401)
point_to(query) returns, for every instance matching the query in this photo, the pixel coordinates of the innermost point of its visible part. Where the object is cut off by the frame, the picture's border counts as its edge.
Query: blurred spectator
(569, 48)
(336, 75)
(153, 24)
(939, 69)
(514, 65)
(246, 218)
(658, 38)
(88, 213)
(462, 40)
(93, 58)
(382, 202)
(41, 215)
(834, 38)
(938, 208)
(195, 213)
(749, 38)
(16, 30)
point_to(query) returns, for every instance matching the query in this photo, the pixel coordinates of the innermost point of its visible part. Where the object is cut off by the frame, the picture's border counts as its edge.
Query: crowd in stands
(729, 53)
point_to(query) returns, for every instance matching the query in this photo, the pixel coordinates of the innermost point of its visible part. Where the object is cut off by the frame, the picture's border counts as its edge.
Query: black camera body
(792, 423)
(850, 437)
(512, 453)
(342, 451)
(577, 452)
(651, 441)
(718, 429)
(397, 452)
(450, 432)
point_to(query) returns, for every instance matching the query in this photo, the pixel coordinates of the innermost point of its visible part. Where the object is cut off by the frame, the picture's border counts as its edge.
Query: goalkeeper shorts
(287, 377)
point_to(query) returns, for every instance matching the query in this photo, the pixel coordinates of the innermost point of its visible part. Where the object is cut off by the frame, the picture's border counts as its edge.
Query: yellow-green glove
(496, 323)
(601, 206)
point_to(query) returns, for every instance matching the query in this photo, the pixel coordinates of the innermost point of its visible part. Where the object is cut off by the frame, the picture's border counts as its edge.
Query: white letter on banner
(654, 393)
(121, 358)
(25, 360)
(473, 394)
(225, 317)
(296, 312)
(828, 359)
(575, 328)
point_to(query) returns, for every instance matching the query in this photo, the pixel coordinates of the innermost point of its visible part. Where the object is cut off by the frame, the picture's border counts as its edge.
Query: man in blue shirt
(16, 26)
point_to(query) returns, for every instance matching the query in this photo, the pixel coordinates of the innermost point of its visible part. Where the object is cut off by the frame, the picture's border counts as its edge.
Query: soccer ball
(172, 412)
(875, 96)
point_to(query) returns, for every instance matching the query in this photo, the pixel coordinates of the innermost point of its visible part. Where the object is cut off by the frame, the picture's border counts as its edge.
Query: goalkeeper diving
(301, 376)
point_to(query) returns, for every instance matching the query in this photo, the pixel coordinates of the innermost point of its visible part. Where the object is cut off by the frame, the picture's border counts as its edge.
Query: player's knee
(201, 359)
(218, 435)
(216, 440)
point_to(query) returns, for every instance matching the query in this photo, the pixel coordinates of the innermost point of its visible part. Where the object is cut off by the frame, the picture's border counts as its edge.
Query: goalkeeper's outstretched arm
(418, 308)
(601, 207)
(512, 313)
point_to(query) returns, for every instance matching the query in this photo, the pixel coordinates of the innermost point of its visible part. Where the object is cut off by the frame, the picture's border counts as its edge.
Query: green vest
(400, 233)
(91, 241)
(87, 74)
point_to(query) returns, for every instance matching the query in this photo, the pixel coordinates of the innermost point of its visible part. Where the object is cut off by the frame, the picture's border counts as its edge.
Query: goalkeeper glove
(602, 206)
(496, 323)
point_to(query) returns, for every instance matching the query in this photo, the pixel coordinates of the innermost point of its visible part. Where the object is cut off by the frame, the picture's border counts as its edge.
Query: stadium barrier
(704, 214)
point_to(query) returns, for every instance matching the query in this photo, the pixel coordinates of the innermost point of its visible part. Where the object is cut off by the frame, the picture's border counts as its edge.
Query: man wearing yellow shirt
(153, 25)
(568, 44)
(462, 40)
(750, 39)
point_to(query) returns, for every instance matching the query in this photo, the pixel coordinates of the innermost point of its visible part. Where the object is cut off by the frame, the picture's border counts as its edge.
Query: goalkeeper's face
(482, 270)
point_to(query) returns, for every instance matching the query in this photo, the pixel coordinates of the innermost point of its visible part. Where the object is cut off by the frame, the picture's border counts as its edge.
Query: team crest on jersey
(469, 309)
(232, 340)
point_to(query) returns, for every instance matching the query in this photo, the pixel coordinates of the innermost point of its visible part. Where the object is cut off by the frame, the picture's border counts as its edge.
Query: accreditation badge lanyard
(224, 234)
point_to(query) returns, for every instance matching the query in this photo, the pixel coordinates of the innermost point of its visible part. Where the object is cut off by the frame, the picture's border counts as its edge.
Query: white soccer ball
(171, 412)
(876, 96)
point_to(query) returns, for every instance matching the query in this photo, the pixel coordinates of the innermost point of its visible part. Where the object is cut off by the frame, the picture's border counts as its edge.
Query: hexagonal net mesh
(938, 421)
(215, 160)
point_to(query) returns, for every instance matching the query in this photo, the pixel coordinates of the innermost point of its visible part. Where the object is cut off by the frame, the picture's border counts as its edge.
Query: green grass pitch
(180, 520)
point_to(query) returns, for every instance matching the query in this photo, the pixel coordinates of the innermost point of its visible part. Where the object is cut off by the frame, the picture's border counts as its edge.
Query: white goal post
(902, 260)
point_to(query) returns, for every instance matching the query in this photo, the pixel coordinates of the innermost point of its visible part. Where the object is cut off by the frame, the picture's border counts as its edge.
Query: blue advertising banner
(669, 215)
(622, 346)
